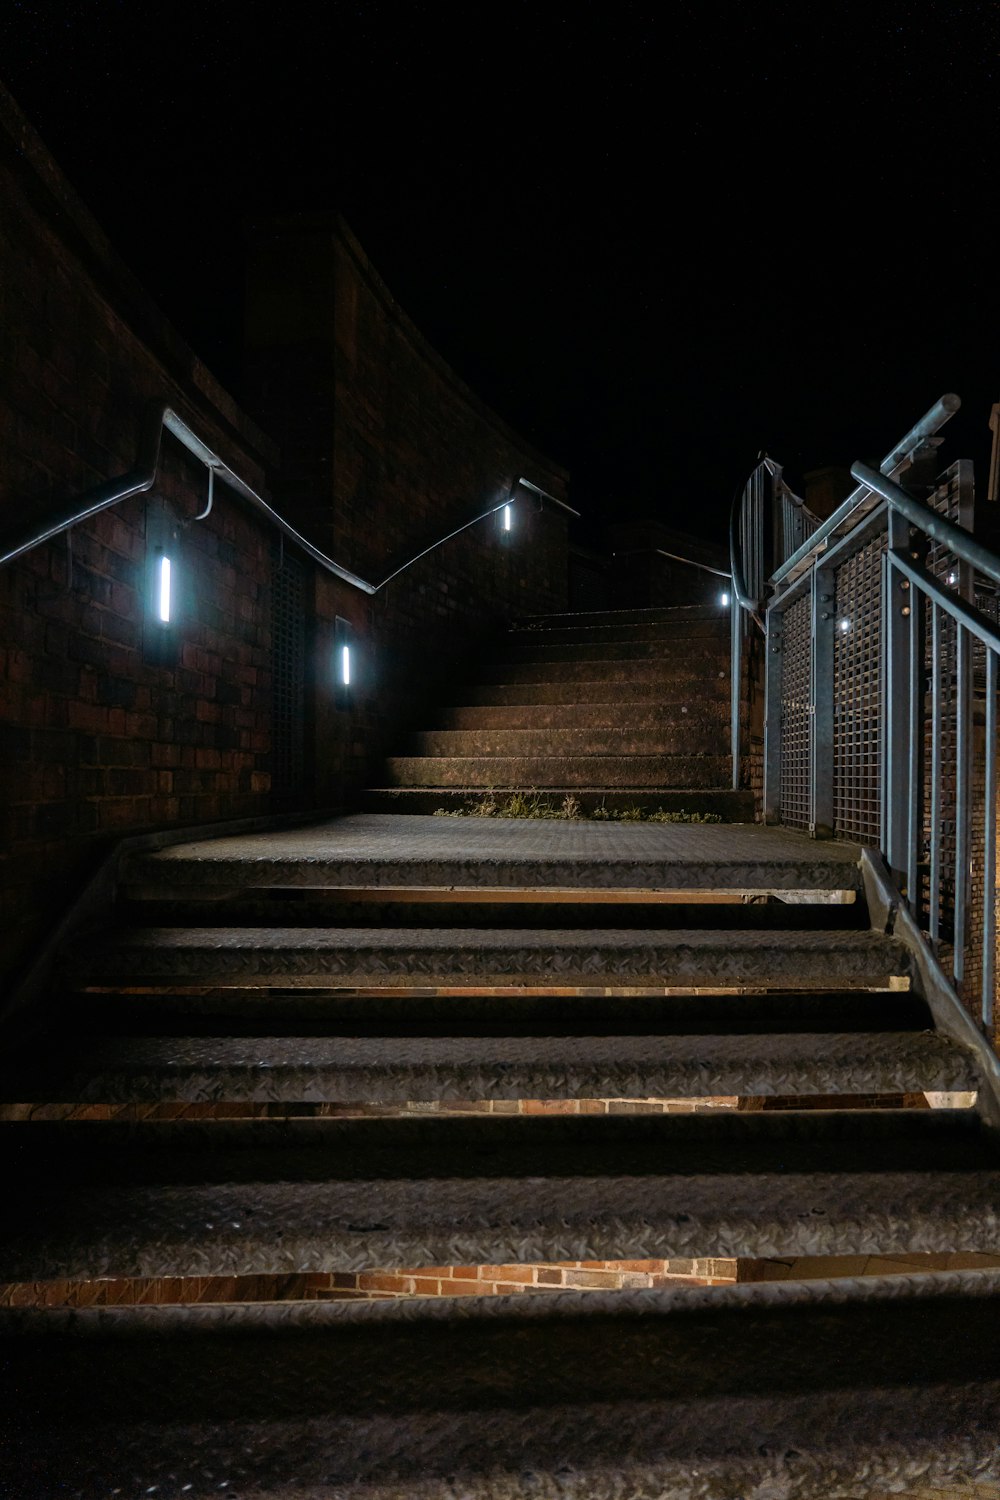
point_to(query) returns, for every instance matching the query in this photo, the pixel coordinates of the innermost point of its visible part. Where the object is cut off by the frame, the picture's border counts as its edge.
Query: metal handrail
(894, 462)
(674, 557)
(741, 592)
(938, 671)
(142, 478)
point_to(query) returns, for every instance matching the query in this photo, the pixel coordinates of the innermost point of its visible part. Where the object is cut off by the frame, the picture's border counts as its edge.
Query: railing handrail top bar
(674, 556)
(142, 478)
(931, 522)
(930, 423)
(537, 490)
(967, 615)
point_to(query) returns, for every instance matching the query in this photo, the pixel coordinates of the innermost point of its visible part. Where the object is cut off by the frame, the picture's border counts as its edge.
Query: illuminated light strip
(345, 665)
(506, 518)
(164, 609)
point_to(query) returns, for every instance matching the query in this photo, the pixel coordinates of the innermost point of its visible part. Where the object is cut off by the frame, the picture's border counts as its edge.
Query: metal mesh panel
(951, 498)
(796, 715)
(288, 673)
(857, 688)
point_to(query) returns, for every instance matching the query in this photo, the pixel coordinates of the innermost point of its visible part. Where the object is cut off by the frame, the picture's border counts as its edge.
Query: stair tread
(685, 737)
(225, 1201)
(399, 1069)
(627, 1395)
(694, 954)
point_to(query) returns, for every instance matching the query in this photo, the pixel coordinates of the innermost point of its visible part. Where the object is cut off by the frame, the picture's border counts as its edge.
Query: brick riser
(637, 702)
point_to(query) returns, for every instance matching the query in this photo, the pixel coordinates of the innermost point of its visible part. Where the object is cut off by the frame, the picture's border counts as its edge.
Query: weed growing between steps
(532, 804)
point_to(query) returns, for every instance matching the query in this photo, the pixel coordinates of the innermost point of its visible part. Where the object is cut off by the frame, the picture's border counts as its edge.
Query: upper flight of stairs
(620, 708)
(272, 984)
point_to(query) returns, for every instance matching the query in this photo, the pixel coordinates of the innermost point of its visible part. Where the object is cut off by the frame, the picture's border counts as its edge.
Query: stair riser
(691, 649)
(680, 739)
(672, 633)
(686, 713)
(645, 771)
(664, 672)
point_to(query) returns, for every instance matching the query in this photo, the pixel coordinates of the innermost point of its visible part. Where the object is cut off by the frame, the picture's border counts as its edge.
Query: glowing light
(724, 600)
(164, 601)
(345, 665)
(845, 625)
(506, 518)
(952, 578)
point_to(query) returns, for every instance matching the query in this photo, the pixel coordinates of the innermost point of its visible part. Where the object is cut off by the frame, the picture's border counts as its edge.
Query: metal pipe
(934, 894)
(990, 845)
(674, 557)
(930, 423)
(736, 554)
(955, 538)
(978, 624)
(544, 494)
(144, 475)
(735, 686)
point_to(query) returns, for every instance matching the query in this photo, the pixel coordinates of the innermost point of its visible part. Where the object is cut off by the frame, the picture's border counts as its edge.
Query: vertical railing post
(772, 715)
(821, 740)
(897, 687)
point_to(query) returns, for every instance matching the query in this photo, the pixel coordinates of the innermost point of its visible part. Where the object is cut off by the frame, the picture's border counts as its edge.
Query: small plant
(532, 804)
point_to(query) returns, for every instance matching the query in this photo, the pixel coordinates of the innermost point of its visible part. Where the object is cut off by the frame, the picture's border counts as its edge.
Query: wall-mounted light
(724, 600)
(953, 578)
(505, 521)
(163, 593)
(845, 626)
(345, 662)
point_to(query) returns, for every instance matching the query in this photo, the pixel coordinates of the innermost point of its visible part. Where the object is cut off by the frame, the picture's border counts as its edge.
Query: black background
(656, 239)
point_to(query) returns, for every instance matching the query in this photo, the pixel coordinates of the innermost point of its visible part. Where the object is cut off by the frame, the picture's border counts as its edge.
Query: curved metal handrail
(142, 478)
(753, 607)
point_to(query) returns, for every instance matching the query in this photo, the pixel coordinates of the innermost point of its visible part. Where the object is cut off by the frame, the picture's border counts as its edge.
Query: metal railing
(881, 712)
(143, 476)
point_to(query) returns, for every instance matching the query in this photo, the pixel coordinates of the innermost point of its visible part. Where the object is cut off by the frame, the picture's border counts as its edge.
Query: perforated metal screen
(796, 716)
(857, 695)
(288, 668)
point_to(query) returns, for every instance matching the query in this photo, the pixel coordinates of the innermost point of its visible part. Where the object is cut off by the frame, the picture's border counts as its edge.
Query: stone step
(729, 806)
(686, 712)
(645, 772)
(461, 956)
(679, 667)
(309, 1196)
(370, 850)
(683, 739)
(631, 697)
(401, 1069)
(714, 628)
(703, 650)
(674, 1393)
(617, 1396)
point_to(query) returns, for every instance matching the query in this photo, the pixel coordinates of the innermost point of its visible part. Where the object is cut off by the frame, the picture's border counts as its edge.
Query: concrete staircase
(622, 708)
(268, 985)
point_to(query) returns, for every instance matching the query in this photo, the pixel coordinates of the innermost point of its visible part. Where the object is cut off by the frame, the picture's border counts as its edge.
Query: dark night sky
(655, 239)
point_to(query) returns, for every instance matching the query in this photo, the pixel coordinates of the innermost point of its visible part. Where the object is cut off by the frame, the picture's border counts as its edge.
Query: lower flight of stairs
(274, 985)
(613, 710)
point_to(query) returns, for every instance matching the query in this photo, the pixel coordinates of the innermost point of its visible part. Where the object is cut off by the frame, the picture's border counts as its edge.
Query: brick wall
(385, 451)
(110, 725)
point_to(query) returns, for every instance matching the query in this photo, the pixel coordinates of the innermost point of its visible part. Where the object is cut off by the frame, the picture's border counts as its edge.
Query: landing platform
(379, 851)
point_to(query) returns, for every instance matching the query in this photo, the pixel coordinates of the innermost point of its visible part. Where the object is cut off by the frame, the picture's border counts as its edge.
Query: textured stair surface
(801, 1391)
(370, 850)
(410, 962)
(224, 1199)
(199, 1069)
(643, 771)
(442, 955)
